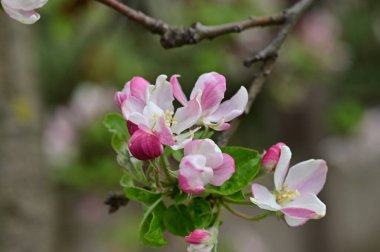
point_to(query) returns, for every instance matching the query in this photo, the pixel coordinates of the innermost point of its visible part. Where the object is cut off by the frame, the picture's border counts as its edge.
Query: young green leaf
(141, 195)
(152, 228)
(116, 124)
(247, 166)
(201, 212)
(178, 220)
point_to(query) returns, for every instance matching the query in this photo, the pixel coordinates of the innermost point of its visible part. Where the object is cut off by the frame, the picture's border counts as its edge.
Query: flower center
(286, 195)
(169, 120)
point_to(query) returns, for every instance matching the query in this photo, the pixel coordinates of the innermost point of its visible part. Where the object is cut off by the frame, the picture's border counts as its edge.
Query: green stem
(239, 202)
(244, 216)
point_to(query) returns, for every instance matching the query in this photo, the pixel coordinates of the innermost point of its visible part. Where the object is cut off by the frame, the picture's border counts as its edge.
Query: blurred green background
(322, 99)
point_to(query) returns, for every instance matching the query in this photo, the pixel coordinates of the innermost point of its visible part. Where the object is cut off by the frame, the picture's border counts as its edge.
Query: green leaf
(141, 195)
(178, 220)
(151, 227)
(201, 212)
(181, 197)
(247, 166)
(126, 180)
(116, 124)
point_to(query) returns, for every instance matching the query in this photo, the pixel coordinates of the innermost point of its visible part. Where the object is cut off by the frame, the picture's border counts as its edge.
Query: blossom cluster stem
(244, 216)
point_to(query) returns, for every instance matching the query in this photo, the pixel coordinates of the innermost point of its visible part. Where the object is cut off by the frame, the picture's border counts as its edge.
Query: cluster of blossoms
(155, 124)
(23, 11)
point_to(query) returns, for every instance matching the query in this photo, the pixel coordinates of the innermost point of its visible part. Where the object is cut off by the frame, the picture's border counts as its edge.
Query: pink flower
(211, 88)
(295, 190)
(201, 240)
(150, 108)
(144, 146)
(271, 157)
(204, 163)
(23, 10)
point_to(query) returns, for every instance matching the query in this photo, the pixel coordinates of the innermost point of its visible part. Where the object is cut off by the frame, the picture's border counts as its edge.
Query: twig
(176, 36)
(268, 57)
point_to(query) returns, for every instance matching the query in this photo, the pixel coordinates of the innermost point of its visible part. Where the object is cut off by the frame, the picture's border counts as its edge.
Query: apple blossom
(23, 10)
(204, 163)
(201, 240)
(150, 108)
(271, 157)
(211, 87)
(295, 190)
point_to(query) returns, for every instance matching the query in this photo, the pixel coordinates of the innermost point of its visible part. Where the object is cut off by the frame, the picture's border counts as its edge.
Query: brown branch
(268, 57)
(176, 36)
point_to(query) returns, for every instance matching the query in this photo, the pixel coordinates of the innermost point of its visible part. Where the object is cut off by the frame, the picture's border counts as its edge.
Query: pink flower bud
(198, 236)
(145, 146)
(132, 128)
(271, 157)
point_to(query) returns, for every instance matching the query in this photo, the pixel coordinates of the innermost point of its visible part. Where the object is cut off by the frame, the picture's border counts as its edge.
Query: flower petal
(138, 87)
(130, 106)
(187, 116)
(177, 90)
(223, 172)
(198, 236)
(213, 86)
(23, 16)
(144, 146)
(25, 5)
(232, 108)
(306, 206)
(282, 167)
(193, 175)
(162, 94)
(295, 222)
(263, 198)
(308, 176)
(207, 148)
(183, 139)
(164, 132)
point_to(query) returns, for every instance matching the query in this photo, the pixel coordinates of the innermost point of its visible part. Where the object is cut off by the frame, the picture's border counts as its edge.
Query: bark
(26, 209)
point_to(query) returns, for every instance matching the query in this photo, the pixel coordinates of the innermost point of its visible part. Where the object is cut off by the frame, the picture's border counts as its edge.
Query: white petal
(282, 167)
(25, 17)
(232, 108)
(308, 176)
(263, 198)
(162, 94)
(295, 222)
(26, 5)
(207, 148)
(306, 206)
(187, 116)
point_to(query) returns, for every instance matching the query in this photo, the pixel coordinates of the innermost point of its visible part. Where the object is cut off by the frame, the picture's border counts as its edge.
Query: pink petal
(207, 148)
(308, 176)
(130, 106)
(138, 86)
(132, 128)
(122, 95)
(144, 146)
(187, 116)
(263, 198)
(295, 222)
(282, 167)
(23, 16)
(177, 90)
(213, 86)
(198, 236)
(232, 108)
(306, 206)
(183, 139)
(164, 132)
(193, 175)
(223, 172)
(271, 157)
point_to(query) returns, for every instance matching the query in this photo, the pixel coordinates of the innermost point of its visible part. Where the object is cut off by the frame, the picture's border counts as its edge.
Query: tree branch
(267, 56)
(176, 36)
